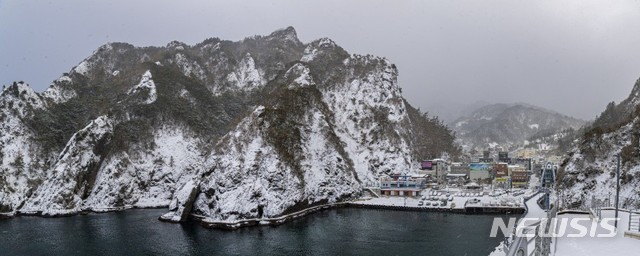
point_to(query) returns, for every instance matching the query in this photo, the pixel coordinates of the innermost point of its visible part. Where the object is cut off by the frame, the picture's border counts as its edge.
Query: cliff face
(234, 130)
(590, 170)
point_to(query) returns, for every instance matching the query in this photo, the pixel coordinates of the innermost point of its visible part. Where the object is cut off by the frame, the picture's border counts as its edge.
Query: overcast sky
(569, 56)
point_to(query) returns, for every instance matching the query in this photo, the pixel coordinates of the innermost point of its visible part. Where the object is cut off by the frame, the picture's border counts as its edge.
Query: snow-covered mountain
(590, 169)
(231, 130)
(509, 125)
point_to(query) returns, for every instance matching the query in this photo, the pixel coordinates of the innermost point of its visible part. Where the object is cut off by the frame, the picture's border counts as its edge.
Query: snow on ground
(585, 246)
(460, 199)
(533, 209)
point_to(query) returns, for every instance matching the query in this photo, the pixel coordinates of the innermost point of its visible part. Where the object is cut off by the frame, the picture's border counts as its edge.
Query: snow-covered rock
(252, 176)
(239, 130)
(189, 67)
(147, 177)
(300, 75)
(182, 202)
(22, 160)
(147, 87)
(317, 47)
(590, 171)
(246, 76)
(73, 175)
(370, 117)
(59, 94)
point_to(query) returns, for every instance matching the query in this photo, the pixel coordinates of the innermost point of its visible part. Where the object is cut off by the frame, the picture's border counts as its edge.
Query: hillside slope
(234, 130)
(510, 125)
(590, 170)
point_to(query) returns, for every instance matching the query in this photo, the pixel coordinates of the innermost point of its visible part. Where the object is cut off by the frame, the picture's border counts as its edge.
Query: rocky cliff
(590, 170)
(226, 130)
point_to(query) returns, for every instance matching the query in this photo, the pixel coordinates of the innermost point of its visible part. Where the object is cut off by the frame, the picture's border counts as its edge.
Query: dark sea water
(344, 231)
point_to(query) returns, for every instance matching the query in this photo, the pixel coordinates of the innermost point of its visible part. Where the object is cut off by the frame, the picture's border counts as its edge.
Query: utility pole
(617, 188)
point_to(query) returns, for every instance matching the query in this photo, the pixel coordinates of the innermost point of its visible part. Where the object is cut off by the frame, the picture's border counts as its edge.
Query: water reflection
(332, 232)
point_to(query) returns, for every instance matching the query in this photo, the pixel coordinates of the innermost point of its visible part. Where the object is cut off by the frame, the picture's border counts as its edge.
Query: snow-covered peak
(177, 45)
(146, 84)
(316, 47)
(633, 100)
(105, 59)
(326, 43)
(286, 34)
(19, 96)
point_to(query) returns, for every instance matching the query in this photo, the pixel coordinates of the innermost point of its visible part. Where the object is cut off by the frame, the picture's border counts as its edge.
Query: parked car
(474, 201)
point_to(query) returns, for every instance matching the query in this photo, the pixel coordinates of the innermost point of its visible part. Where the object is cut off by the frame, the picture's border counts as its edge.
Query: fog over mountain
(452, 111)
(449, 52)
(510, 125)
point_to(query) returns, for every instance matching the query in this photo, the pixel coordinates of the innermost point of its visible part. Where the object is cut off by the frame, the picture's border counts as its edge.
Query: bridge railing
(536, 245)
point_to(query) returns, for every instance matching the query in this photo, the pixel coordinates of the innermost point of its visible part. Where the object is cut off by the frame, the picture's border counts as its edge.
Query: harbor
(455, 201)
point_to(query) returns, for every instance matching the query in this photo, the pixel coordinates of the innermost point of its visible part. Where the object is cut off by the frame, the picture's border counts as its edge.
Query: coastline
(275, 221)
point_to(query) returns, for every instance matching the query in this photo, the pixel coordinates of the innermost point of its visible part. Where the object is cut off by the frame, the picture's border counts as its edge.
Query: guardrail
(634, 221)
(536, 245)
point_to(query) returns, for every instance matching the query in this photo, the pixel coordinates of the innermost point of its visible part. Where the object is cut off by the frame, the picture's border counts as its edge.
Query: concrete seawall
(233, 225)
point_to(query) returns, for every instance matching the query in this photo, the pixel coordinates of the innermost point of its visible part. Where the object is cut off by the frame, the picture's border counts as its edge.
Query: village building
(437, 168)
(516, 168)
(479, 172)
(457, 180)
(500, 170)
(459, 168)
(519, 179)
(503, 182)
(525, 153)
(402, 185)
